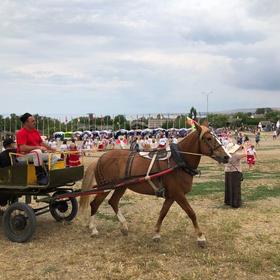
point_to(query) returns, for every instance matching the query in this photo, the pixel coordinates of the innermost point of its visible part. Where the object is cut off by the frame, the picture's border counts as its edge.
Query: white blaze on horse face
(229, 155)
(220, 143)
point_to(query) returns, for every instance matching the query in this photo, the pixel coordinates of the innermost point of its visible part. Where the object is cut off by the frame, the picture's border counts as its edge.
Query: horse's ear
(205, 123)
(197, 126)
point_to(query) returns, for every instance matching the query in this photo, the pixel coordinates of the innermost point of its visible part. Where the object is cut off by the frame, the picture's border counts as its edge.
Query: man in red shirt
(30, 144)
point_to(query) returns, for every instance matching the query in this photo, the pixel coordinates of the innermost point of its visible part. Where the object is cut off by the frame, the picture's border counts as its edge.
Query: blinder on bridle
(212, 148)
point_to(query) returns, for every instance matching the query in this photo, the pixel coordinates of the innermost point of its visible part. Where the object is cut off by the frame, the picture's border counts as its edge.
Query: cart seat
(5, 159)
(32, 178)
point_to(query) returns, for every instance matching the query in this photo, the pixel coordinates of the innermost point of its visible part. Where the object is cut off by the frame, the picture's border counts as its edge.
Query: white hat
(162, 141)
(232, 148)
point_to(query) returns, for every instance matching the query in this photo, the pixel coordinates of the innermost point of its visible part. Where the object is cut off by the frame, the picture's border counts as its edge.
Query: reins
(189, 153)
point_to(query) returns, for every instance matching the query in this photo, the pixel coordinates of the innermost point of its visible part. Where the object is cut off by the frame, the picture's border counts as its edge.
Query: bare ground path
(242, 243)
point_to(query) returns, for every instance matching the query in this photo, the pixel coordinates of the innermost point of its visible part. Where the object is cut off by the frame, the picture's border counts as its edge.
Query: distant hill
(243, 110)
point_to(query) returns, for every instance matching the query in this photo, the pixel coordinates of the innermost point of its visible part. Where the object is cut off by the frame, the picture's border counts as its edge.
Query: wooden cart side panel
(15, 175)
(61, 177)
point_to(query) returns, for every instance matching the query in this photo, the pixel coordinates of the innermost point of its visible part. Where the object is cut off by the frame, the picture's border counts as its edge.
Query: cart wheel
(19, 222)
(64, 209)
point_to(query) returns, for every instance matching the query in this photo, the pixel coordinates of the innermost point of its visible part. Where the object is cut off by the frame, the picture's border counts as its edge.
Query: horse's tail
(87, 183)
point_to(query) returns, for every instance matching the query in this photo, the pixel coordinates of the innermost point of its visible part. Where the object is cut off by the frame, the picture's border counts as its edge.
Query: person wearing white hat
(233, 175)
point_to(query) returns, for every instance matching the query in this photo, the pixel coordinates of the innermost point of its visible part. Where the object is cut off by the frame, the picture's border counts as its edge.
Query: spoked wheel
(19, 222)
(64, 209)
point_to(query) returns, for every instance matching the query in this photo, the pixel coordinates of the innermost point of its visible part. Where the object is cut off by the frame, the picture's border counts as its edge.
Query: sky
(140, 56)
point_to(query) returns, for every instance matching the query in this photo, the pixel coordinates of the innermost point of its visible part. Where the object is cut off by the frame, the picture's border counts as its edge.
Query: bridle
(211, 148)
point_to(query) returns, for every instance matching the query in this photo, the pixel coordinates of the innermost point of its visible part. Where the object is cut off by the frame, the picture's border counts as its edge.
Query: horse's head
(210, 145)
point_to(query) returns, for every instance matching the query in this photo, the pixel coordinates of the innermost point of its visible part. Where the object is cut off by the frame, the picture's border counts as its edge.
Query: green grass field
(242, 243)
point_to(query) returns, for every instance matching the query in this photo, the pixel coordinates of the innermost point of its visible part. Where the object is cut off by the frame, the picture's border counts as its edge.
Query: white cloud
(140, 55)
(44, 71)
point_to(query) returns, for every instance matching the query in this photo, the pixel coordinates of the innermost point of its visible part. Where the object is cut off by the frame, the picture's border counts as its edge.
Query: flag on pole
(191, 123)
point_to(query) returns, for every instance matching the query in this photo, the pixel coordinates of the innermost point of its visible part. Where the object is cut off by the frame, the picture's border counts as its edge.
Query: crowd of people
(242, 139)
(30, 144)
(92, 144)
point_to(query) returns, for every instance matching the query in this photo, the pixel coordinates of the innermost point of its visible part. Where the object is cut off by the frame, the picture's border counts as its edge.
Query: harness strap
(99, 175)
(147, 177)
(151, 164)
(129, 164)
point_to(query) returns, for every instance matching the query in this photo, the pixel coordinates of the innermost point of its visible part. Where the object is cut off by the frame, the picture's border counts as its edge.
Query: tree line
(48, 125)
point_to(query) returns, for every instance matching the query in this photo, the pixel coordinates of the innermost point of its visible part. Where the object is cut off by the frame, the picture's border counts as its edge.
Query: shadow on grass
(260, 192)
(257, 174)
(207, 188)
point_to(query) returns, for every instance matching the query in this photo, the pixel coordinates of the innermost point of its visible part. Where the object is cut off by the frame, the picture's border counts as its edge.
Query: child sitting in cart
(73, 159)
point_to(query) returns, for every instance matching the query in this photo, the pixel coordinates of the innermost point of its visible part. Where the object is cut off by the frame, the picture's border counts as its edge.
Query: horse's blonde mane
(204, 130)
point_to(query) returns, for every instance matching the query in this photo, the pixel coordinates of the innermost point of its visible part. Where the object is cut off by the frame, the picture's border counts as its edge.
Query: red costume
(73, 159)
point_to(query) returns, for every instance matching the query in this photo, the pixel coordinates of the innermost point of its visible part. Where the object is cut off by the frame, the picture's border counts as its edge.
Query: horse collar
(180, 161)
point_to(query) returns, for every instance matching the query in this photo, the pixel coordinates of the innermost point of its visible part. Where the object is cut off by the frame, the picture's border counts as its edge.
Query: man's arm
(27, 149)
(48, 148)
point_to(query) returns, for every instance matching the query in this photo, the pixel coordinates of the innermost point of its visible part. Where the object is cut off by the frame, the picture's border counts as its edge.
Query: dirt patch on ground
(241, 243)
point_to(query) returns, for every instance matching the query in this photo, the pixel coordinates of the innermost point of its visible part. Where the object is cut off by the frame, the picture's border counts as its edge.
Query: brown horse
(113, 166)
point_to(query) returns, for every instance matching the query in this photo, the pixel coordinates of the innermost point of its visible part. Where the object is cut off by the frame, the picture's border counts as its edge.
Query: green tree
(272, 116)
(242, 117)
(193, 114)
(218, 120)
(253, 121)
(180, 121)
(168, 124)
(120, 122)
(262, 111)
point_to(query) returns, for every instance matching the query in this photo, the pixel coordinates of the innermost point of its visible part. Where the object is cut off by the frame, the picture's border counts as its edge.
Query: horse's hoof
(201, 242)
(124, 231)
(156, 238)
(94, 233)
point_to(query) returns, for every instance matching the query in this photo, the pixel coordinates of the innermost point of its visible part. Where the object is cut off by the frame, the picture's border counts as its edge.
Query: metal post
(207, 98)
(180, 121)
(89, 124)
(48, 127)
(4, 127)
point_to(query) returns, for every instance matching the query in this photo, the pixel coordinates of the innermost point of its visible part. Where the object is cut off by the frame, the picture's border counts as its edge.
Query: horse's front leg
(183, 202)
(94, 207)
(164, 210)
(114, 202)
